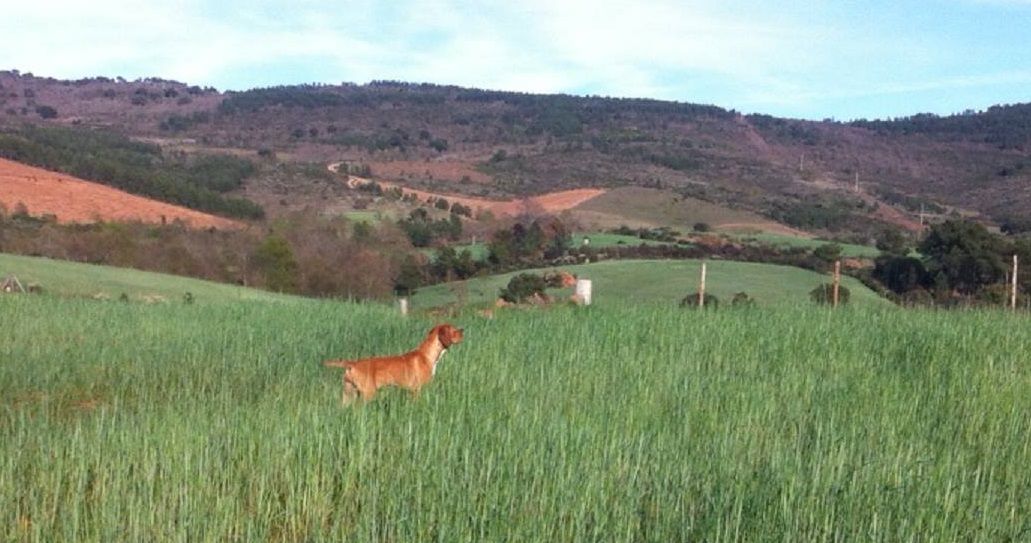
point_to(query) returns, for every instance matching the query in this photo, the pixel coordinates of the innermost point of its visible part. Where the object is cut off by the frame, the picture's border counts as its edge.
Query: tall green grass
(129, 422)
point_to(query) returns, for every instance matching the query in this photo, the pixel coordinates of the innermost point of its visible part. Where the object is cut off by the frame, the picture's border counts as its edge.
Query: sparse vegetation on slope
(134, 167)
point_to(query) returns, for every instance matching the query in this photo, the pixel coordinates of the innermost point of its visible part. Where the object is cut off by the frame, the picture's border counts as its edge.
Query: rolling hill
(827, 176)
(664, 282)
(76, 280)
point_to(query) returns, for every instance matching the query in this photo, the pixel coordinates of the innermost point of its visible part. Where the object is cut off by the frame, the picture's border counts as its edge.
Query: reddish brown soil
(552, 202)
(74, 200)
(450, 170)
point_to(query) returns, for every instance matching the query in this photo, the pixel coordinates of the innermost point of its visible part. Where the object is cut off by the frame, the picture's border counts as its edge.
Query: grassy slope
(664, 208)
(64, 278)
(621, 282)
(479, 250)
(132, 422)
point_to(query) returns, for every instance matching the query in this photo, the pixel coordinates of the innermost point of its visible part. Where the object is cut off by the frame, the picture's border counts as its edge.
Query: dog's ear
(448, 335)
(443, 334)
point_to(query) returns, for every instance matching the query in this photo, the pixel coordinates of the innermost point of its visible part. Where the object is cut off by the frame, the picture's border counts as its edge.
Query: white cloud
(733, 54)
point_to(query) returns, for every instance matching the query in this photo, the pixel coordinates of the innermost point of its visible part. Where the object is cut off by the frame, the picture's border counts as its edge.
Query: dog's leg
(349, 394)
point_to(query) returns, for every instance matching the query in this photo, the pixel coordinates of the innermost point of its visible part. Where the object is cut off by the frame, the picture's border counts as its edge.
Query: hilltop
(843, 178)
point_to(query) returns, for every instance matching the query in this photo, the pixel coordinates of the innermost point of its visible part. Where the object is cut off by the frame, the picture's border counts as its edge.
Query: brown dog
(411, 370)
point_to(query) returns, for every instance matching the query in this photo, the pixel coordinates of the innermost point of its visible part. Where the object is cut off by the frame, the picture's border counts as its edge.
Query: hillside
(76, 280)
(73, 200)
(501, 145)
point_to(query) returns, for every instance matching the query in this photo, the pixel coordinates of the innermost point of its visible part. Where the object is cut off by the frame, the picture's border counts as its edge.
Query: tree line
(135, 167)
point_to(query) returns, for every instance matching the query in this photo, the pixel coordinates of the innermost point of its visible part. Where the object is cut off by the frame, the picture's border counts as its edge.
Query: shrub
(523, 286)
(691, 301)
(742, 299)
(824, 294)
(702, 227)
(46, 112)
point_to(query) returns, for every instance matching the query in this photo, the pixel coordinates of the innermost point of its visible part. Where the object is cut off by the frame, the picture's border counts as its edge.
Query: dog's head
(447, 335)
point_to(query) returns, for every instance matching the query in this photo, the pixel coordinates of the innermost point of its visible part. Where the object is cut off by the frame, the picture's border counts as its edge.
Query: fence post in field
(837, 281)
(583, 290)
(402, 304)
(701, 288)
(1013, 285)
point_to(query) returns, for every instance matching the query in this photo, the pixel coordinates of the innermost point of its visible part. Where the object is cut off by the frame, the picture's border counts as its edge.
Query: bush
(824, 294)
(691, 301)
(702, 227)
(46, 112)
(742, 299)
(522, 287)
(828, 252)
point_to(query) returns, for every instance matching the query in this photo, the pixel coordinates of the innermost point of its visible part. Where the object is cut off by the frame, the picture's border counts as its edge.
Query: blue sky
(816, 59)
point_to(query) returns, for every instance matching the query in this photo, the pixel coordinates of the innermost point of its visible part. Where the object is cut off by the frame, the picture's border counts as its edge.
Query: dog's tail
(338, 363)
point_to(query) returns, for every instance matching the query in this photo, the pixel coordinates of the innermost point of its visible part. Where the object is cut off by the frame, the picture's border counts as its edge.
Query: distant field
(63, 278)
(480, 251)
(847, 249)
(367, 216)
(624, 282)
(174, 422)
(643, 206)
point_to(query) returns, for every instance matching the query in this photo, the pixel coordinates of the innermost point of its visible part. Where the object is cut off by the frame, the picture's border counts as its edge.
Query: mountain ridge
(816, 175)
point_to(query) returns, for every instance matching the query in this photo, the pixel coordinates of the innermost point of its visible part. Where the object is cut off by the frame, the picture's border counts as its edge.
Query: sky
(817, 59)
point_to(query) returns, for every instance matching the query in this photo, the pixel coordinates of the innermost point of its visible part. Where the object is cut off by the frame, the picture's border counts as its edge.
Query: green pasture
(626, 282)
(598, 240)
(780, 240)
(64, 278)
(175, 422)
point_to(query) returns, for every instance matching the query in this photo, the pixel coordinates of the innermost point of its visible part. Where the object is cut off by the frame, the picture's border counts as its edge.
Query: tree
(828, 252)
(892, 241)
(274, 260)
(966, 254)
(901, 274)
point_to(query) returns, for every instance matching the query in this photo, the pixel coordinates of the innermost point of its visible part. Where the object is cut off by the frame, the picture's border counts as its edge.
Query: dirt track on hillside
(552, 202)
(74, 200)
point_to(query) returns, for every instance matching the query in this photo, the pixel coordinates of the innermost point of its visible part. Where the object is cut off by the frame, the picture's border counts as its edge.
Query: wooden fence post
(1013, 286)
(701, 288)
(837, 281)
(402, 304)
(583, 290)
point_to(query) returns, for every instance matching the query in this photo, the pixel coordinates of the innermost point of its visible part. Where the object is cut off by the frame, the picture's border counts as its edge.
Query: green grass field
(664, 208)
(599, 240)
(72, 279)
(136, 422)
(779, 240)
(368, 216)
(627, 282)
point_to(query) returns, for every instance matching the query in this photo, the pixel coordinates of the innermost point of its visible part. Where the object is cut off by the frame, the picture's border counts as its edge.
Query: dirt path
(552, 202)
(74, 200)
